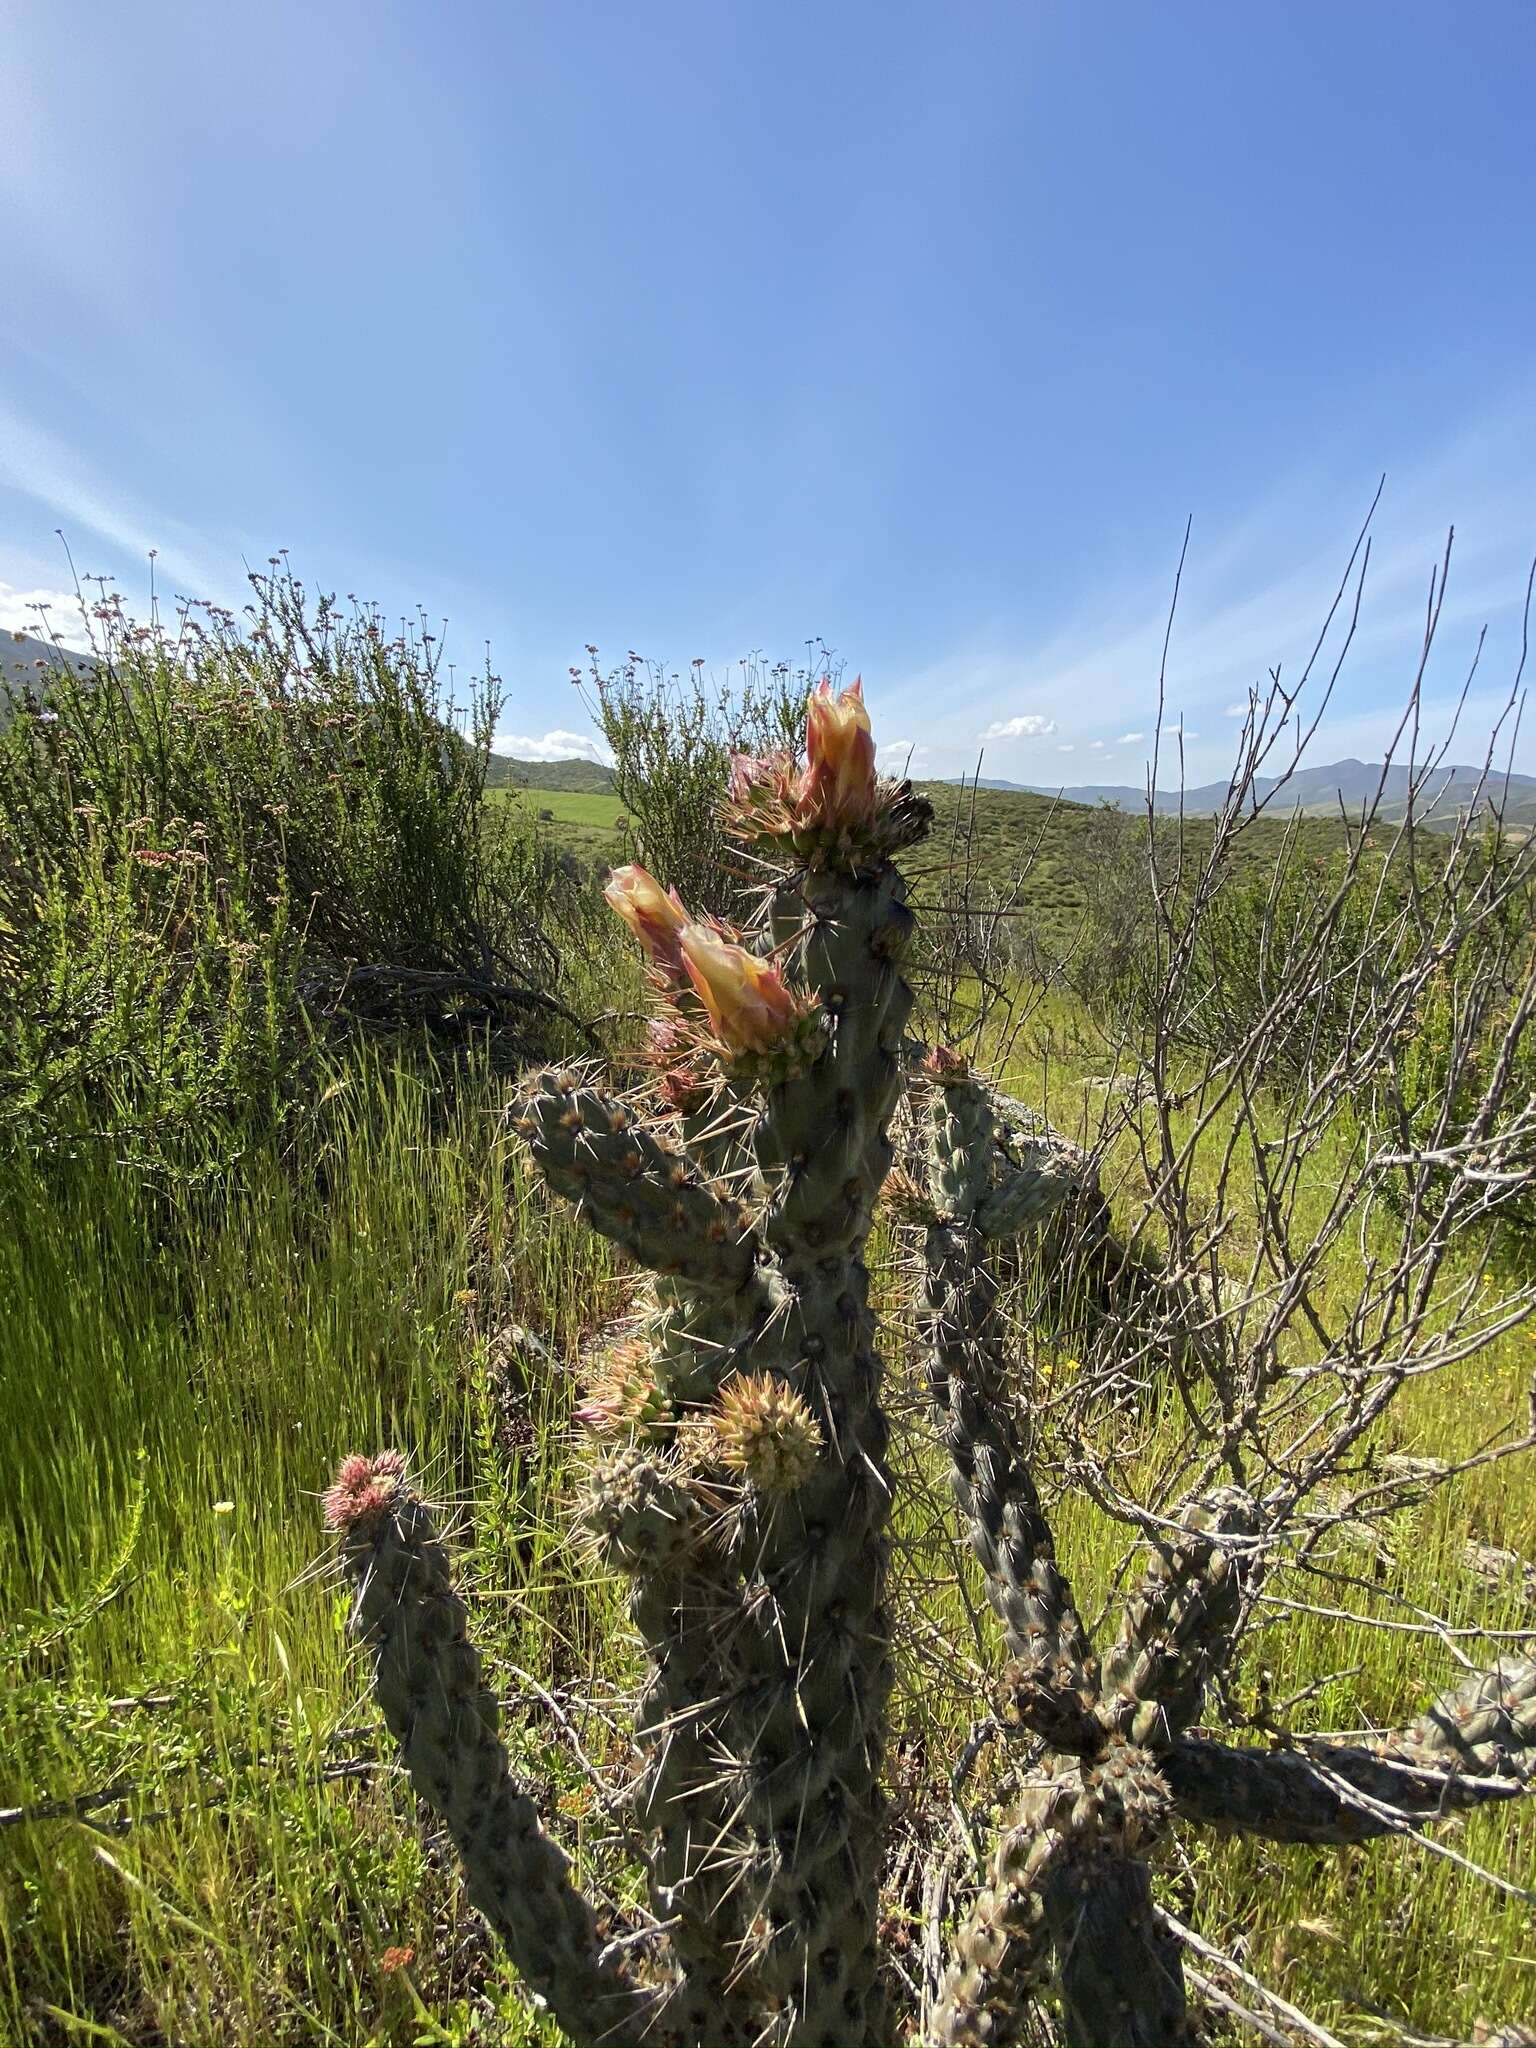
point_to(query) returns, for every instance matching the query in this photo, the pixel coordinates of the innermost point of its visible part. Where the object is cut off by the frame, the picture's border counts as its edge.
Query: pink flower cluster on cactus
(837, 789)
(749, 1006)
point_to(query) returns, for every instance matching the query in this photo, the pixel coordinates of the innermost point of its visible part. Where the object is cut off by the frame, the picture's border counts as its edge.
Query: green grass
(169, 1424)
(170, 1416)
(590, 823)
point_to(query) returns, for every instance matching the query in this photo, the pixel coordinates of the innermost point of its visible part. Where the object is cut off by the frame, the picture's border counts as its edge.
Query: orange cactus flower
(655, 915)
(838, 785)
(748, 1003)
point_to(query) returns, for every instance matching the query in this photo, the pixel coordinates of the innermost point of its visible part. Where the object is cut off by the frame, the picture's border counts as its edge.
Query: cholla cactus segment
(1126, 1795)
(1485, 1728)
(637, 1189)
(766, 1432)
(1341, 1793)
(1177, 1627)
(1068, 1905)
(1119, 1972)
(639, 1511)
(1064, 1877)
(428, 1684)
(622, 1392)
(1001, 1960)
(960, 1152)
(1054, 1679)
(1026, 1196)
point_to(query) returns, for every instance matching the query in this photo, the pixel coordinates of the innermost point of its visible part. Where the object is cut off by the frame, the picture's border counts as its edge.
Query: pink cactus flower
(655, 915)
(748, 1003)
(363, 1486)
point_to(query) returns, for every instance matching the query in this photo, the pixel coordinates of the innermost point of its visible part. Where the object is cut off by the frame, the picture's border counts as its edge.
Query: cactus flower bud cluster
(363, 1488)
(722, 999)
(834, 810)
(766, 1433)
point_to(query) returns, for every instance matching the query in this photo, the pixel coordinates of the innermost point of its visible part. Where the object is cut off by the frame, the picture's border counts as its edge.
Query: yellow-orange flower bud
(655, 915)
(748, 1003)
(838, 786)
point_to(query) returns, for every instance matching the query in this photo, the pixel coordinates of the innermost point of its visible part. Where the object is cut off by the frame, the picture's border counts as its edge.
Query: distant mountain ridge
(23, 658)
(1321, 791)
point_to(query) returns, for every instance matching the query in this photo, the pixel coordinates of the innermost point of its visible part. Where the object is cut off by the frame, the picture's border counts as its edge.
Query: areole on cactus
(739, 1483)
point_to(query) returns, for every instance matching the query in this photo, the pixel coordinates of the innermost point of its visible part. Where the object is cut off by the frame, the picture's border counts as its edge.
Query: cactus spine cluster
(739, 1483)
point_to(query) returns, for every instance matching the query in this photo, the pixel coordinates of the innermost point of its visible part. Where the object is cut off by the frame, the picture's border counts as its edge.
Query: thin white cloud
(1130, 739)
(44, 614)
(557, 745)
(1095, 746)
(1067, 747)
(1029, 725)
(42, 468)
(1257, 594)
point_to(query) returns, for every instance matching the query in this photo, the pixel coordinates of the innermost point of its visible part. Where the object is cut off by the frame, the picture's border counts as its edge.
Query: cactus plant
(1067, 1905)
(739, 1483)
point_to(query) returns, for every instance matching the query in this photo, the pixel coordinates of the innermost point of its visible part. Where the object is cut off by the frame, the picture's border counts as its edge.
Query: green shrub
(217, 839)
(672, 743)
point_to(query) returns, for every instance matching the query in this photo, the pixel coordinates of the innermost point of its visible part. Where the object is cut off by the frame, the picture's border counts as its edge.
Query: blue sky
(708, 328)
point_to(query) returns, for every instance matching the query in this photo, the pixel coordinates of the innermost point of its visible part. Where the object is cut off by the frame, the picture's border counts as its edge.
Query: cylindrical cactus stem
(691, 1810)
(428, 1684)
(645, 1515)
(812, 1637)
(1053, 1664)
(1119, 1974)
(1001, 1959)
(1027, 1196)
(1474, 1746)
(1052, 1673)
(1067, 1907)
(1177, 1628)
(1485, 1728)
(638, 1191)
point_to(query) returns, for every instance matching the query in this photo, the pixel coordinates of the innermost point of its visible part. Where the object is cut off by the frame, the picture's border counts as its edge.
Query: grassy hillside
(590, 823)
(1046, 853)
(502, 772)
(1043, 847)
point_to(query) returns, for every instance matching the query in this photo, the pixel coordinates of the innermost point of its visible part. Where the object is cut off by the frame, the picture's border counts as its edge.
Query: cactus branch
(1052, 1675)
(428, 1684)
(1475, 1746)
(634, 1188)
(1178, 1626)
